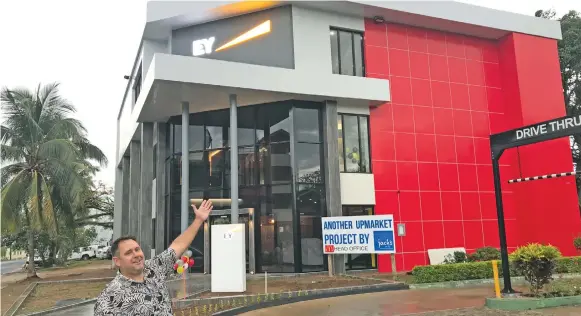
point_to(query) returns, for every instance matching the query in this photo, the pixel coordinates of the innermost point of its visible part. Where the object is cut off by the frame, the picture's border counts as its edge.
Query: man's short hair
(115, 244)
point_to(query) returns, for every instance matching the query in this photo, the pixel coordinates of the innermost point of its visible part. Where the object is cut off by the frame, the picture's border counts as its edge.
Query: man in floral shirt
(139, 287)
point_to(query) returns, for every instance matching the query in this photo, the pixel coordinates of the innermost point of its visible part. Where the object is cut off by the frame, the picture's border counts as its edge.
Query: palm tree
(43, 148)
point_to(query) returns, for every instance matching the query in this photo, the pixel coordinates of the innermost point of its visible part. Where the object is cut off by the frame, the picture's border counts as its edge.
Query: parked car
(104, 252)
(83, 253)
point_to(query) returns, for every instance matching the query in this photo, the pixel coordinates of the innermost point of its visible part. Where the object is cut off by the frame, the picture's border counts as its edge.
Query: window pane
(177, 148)
(364, 144)
(352, 153)
(218, 163)
(246, 121)
(310, 199)
(196, 137)
(247, 166)
(346, 50)
(279, 123)
(198, 171)
(307, 125)
(217, 125)
(216, 137)
(341, 153)
(308, 161)
(335, 52)
(280, 163)
(358, 58)
(276, 230)
(310, 205)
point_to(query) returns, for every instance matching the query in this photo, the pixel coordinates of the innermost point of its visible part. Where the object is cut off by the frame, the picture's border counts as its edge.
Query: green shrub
(484, 254)
(452, 272)
(568, 265)
(577, 243)
(456, 257)
(482, 270)
(536, 263)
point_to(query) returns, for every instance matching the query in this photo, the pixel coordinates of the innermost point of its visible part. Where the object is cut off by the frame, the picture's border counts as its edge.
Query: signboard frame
(365, 234)
(526, 135)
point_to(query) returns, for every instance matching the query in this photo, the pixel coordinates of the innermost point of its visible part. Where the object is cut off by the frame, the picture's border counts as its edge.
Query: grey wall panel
(273, 49)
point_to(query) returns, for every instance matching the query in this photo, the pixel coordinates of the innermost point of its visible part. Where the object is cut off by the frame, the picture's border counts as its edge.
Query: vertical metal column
(234, 158)
(501, 228)
(185, 165)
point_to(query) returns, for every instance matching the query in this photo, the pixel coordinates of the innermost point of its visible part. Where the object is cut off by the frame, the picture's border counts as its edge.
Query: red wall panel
(431, 152)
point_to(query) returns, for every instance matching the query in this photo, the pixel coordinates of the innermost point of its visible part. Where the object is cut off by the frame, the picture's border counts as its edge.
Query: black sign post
(531, 134)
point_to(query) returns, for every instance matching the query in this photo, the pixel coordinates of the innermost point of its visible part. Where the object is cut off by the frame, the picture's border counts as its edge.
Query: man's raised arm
(183, 241)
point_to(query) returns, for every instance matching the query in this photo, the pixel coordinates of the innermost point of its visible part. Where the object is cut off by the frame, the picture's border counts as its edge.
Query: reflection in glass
(358, 57)
(310, 203)
(247, 166)
(335, 51)
(198, 171)
(341, 149)
(308, 160)
(276, 231)
(279, 123)
(346, 50)
(352, 153)
(218, 164)
(307, 125)
(280, 163)
(364, 132)
(216, 137)
(196, 137)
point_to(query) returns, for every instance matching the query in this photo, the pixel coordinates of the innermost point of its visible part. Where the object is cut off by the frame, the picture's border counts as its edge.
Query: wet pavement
(411, 302)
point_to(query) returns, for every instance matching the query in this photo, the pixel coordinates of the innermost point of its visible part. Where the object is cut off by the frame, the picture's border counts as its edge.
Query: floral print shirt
(125, 297)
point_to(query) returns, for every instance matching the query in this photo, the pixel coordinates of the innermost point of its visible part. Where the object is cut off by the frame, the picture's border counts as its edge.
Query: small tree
(536, 262)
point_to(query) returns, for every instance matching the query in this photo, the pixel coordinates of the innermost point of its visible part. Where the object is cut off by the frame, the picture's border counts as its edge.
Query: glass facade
(280, 168)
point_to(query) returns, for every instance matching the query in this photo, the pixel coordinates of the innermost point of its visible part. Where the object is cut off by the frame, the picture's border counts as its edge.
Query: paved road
(11, 266)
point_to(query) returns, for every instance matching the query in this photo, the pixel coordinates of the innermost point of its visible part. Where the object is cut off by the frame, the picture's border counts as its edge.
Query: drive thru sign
(358, 234)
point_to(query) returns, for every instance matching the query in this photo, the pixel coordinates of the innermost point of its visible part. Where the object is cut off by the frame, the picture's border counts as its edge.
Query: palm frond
(67, 128)
(10, 171)
(91, 152)
(59, 149)
(13, 196)
(11, 154)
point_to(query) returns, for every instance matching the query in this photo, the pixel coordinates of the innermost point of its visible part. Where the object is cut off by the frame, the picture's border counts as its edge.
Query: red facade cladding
(430, 145)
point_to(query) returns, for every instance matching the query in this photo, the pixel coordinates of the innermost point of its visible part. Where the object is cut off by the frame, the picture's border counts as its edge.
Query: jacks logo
(204, 46)
(383, 240)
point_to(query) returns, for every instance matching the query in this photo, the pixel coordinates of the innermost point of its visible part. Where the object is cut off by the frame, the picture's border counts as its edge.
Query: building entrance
(221, 217)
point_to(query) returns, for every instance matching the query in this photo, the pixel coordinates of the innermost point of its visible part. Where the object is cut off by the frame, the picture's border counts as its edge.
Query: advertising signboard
(358, 234)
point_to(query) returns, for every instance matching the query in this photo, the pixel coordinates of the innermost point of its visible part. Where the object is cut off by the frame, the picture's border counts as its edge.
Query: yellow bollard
(496, 281)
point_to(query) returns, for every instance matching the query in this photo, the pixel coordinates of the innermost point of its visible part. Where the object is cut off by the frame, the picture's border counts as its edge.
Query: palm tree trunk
(31, 273)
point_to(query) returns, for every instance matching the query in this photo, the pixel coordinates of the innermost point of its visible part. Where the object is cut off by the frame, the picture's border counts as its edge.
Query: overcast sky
(88, 46)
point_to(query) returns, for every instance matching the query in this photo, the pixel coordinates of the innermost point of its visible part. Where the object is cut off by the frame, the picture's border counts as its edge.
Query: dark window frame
(344, 149)
(352, 33)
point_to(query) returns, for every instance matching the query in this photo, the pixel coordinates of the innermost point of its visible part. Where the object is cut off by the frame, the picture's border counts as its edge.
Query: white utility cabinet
(228, 258)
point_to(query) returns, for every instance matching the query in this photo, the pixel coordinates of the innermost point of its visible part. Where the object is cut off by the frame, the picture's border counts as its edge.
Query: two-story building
(341, 108)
